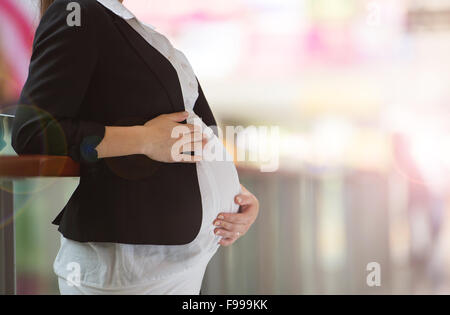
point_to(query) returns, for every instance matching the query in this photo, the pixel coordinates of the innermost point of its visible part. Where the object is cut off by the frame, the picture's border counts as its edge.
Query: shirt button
(191, 84)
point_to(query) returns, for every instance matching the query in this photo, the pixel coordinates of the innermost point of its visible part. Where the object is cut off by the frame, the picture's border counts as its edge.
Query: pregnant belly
(219, 184)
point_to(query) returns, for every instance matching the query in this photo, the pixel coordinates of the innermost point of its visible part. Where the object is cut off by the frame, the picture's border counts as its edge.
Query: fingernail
(221, 217)
(217, 232)
(238, 199)
(217, 223)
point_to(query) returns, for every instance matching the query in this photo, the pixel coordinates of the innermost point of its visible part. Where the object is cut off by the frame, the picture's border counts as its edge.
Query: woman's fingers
(232, 227)
(185, 130)
(237, 218)
(178, 131)
(166, 139)
(227, 234)
(244, 199)
(230, 232)
(194, 142)
(196, 146)
(185, 144)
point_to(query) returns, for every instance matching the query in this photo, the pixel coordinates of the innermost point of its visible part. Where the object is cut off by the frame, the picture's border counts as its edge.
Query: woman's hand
(165, 139)
(231, 226)
(162, 139)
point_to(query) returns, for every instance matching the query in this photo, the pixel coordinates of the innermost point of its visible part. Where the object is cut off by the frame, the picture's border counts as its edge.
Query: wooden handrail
(38, 166)
(56, 166)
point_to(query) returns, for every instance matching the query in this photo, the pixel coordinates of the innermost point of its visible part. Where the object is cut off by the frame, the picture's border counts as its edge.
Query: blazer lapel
(157, 63)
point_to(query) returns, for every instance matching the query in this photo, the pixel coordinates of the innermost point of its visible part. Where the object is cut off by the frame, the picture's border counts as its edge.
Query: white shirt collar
(120, 10)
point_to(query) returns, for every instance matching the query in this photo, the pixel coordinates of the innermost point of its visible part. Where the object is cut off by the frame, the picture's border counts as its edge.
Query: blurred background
(359, 92)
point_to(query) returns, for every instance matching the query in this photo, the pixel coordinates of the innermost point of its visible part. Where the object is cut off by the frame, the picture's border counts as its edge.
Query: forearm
(121, 141)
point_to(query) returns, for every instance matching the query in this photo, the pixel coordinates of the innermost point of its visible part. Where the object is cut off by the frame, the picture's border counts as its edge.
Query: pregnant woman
(110, 91)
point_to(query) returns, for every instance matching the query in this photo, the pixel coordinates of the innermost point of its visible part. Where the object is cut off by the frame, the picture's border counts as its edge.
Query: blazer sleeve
(63, 61)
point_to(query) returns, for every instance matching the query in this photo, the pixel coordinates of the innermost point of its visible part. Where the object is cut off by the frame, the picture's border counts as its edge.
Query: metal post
(7, 243)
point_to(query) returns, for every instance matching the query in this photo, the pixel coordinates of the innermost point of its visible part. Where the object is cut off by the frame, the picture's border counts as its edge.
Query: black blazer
(82, 79)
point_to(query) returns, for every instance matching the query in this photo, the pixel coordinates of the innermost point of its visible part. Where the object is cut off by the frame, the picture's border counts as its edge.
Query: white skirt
(188, 282)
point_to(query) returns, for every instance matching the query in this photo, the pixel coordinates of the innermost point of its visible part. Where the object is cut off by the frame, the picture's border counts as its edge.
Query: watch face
(88, 148)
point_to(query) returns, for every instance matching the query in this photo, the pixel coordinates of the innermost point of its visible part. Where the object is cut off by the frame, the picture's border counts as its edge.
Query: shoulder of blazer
(64, 7)
(94, 17)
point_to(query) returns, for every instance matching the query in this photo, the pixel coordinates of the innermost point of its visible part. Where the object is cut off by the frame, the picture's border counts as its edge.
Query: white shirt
(121, 266)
